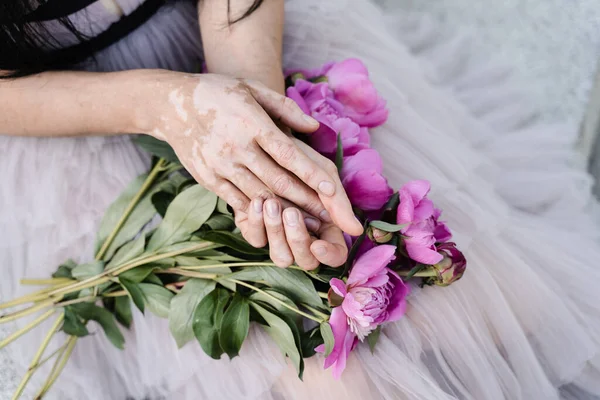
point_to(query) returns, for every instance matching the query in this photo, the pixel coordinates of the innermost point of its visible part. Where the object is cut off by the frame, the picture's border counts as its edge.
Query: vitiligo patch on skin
(177, 99)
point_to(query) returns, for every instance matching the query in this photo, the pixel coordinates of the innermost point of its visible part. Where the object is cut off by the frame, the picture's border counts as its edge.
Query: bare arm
(250, 48)
(69, 104)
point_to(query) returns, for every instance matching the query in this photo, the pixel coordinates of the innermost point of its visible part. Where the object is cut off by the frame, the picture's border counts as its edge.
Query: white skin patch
(176, 98)
(157, 133)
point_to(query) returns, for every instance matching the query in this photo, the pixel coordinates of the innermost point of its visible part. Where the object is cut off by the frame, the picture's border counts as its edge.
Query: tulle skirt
(523, 323)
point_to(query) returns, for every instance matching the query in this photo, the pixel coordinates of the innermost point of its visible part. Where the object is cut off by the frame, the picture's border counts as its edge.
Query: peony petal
(357, 93)
(422, 254)
(397, 306)
(442, 233)
(338, 72)
(339, 327)
(368, 159)
(418, 189)
(367, 190)
(371, 119)
(406, 209)
(338, 286)
(371, 263)
(295, 95)
(423, 210)
(347, 346)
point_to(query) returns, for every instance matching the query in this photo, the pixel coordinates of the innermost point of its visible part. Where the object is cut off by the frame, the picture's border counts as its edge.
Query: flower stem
(249, 286)
(58, 366)
(35, 363)
(26, 328)
(236, 264)
(136, 262)
(75, 301)
(116, 294)
(32, 297)
(27, 311)
(315, 311)
(39, 282)
(191, 274)
(159, 167)
(323, 295)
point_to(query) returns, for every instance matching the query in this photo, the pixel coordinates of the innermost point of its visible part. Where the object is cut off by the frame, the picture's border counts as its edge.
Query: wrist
(141, 92)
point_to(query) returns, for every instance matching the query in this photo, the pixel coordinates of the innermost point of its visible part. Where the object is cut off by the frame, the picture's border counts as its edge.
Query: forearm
(250, 48)
(69, 104)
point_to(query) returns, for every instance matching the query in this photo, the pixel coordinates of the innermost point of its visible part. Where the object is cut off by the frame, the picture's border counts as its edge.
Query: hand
(288, 237)
(223, 132)
(287, 230)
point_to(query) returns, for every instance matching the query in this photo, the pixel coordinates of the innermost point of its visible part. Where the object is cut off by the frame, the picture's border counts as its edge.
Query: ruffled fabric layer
(523, 322)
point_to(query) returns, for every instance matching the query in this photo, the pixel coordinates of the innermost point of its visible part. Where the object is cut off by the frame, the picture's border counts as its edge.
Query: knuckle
(282, 184)
(239, 204)
(265, 194)
(287, 103)
(282, 261)
(330, 167)
(286, 152)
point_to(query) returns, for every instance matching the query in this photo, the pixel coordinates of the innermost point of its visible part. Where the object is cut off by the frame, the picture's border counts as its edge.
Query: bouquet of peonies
(195, 269)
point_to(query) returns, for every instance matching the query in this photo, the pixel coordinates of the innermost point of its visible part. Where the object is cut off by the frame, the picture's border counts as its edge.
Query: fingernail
(320, 250)
(258, 205)
(327, 188)
(291, 217)
(272, 208)
(312, 224)
(310, 119)
(324, 215)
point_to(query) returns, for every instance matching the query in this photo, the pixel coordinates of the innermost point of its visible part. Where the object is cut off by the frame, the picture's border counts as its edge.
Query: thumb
(282, 108)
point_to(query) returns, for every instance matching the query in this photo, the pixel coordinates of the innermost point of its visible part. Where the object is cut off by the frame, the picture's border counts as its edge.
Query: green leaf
(64, 270)
(393, 202)
(84, 271)
(327, 335)
(153, 279)
(185, 215)
(207, 321)
(352, 252)
(123, 310)
(134, 291)
(310, 340)
(138, 274)
(339, 154)
(233, 241)
(373, 337)
(72, 324)
(220, 222)
(116, 210)
(161, 201)
(296, 284)
(222, 207)
(157, 298)
(282, 334)
(183, 306)
(128, 252)
(89, 311)
(156, 147)
(235, 325)
(215, 255)
(384, 226)
(261, 297)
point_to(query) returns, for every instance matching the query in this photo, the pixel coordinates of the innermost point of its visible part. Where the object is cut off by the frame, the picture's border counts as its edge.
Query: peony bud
(451, 268)
(379, 236)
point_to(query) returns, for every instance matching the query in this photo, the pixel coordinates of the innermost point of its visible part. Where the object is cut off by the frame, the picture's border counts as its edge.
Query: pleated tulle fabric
(523, 323)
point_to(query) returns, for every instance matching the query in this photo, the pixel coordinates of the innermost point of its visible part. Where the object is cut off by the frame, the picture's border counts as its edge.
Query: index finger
(287, 154)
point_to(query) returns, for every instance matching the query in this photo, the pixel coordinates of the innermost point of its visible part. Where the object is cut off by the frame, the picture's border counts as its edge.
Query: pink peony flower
(373, 294)
(350, 82)
(351, 88)
(361, 176)
(318, 101)
(423, 228)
